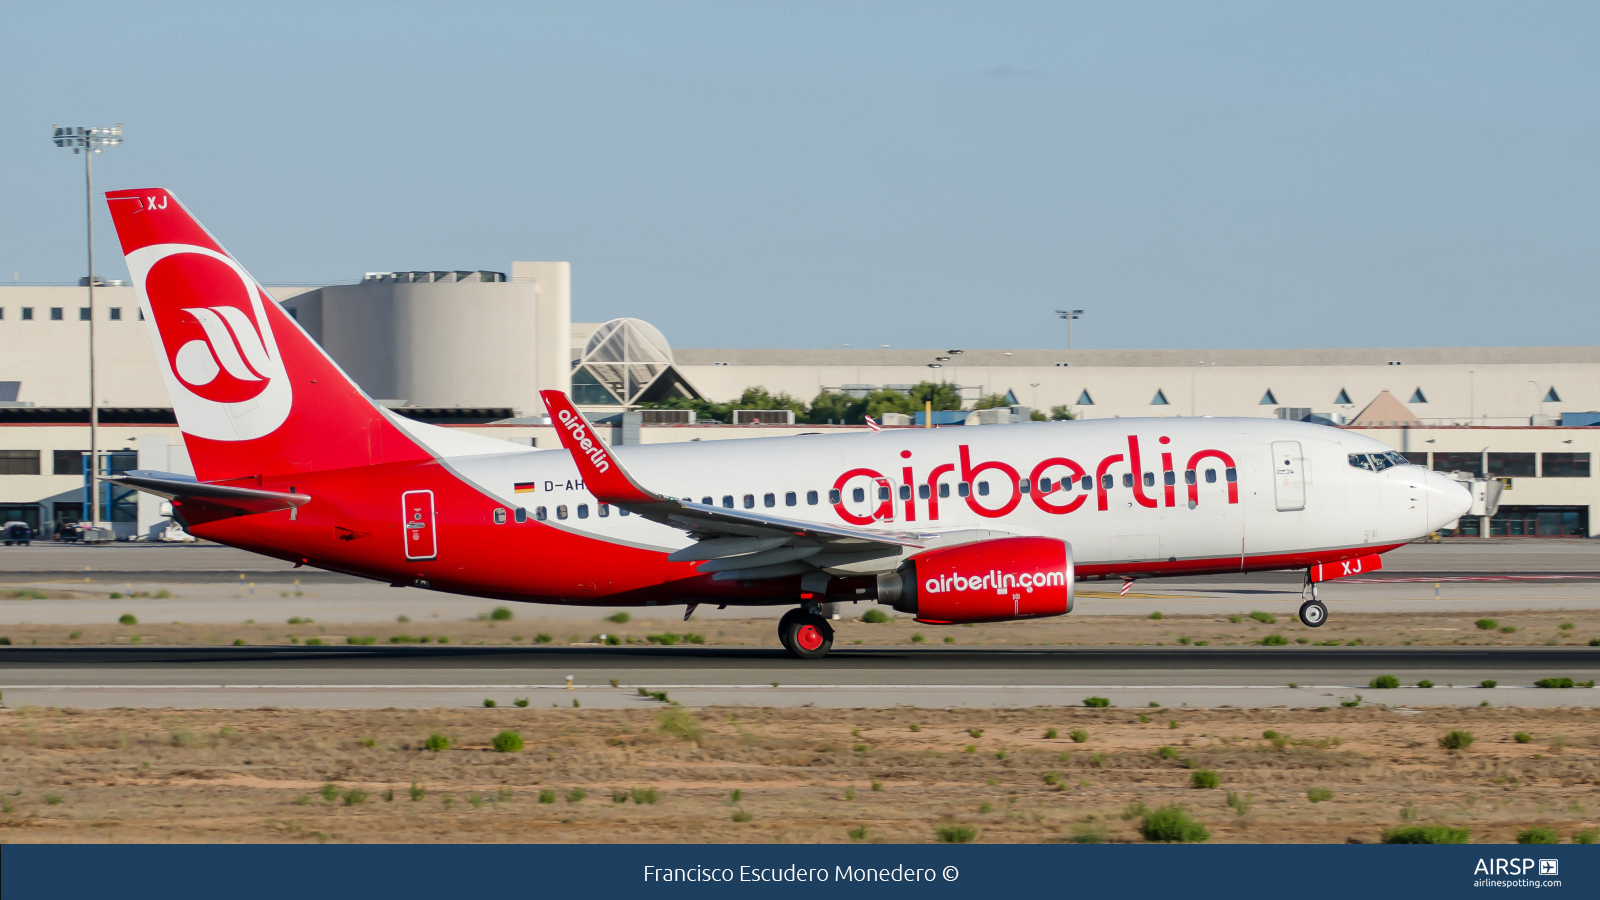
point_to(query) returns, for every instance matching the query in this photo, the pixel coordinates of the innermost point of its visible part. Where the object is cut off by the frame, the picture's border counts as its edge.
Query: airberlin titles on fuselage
(1042, 484)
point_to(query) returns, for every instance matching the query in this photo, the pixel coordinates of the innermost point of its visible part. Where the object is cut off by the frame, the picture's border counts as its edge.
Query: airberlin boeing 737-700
(292, 460)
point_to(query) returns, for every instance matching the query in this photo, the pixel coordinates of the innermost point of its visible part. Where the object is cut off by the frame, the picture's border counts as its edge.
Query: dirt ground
(1346, 627)
(664, 774)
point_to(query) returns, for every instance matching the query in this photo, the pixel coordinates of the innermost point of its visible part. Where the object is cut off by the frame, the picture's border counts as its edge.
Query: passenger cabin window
(623, 511)
(500, 516)
(1024, 486)
(707, 501)
(1169, 478)
(1231, 474)
(811, 498)
(749, 501)
(905, 492)
(858, 495)
(1127, 479)
(583, 510)
(923, 491)
(727, 500)
(789, 499)
(1047, 486)
(964, 489)
(561, 511)
(1188, 476)
(944, 491)
(1149, 479)
(883, 492)
(540, 514)
(833, 496)
(1087, 483)
(769, 500)
(1211, 476)
(983, 488)
(605, 510)
(1108, 481)
(522, 516)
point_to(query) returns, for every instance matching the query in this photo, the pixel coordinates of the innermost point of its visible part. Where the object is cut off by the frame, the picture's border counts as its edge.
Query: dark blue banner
(658, 870)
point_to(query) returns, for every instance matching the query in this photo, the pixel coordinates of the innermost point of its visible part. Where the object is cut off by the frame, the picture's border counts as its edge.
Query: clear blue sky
(810, 174)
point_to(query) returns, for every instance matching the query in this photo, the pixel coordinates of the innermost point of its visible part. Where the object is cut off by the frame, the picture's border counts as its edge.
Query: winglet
(602, 473)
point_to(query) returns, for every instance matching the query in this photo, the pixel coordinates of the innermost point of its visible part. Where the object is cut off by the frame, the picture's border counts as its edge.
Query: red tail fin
(253, 393)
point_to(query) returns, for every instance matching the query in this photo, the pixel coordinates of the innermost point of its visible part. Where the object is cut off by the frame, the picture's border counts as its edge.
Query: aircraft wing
(735, 544)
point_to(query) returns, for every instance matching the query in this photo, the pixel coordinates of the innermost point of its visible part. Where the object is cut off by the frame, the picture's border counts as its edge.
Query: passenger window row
(542, 514)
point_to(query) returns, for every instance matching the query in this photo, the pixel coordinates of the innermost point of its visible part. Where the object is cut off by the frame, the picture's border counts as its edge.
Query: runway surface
(376, 677)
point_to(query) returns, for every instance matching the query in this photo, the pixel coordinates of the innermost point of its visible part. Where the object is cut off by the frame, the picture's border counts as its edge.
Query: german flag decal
(525, 487)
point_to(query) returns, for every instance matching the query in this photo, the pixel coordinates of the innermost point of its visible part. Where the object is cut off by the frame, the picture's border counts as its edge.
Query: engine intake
(987, 581)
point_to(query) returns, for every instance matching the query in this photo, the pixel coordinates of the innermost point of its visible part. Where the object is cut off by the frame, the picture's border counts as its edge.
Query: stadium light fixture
(90, 141)
(1070, 315)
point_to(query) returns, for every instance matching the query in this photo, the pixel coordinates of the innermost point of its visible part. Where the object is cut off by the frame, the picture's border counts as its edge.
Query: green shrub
(1096, 702)
(1170, 824)
(681, 723)
(547, 796)
(52, 799)
(740, 815)
(1049, 734)
(1567, 626)
(1273, 640)
(417, 792)
(1167, 752)
(1241, 803)
(621, 618)
(1204, 778)
(1078, 735)
(313, 642)
(1553, 683)
(520, 703)
(1509, 629)
(917, 638)
(330, 791)
(128, 619)
(1235, 619)
(238, 642)
(489, 704)
(1486, 624)
(437, 742)
(858, 833)
(1487, 683)
(1318, 795)
(1052, 778)
(542, 638)
(1586, 836)
(388, 796)
(507, 742)
(355, 797)
(1538, 836)
(1424, 683)
(975, 732)
(1456, 739)
(501, 614)
(1157, 615)
(1426, 834)
(366, 641)
(1594, 642)
(1522, 737)
(648, 795)
(1264, 618)
(955, 834)
(874, 616)
(1383, 682)
(619, 796)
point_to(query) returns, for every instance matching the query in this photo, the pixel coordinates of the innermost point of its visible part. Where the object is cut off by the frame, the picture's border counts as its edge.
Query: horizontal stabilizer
(238, 501)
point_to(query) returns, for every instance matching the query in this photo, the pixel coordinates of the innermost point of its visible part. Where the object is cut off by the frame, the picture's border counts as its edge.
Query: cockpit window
(1360, 461)
(1381, 461)
(1398, 458)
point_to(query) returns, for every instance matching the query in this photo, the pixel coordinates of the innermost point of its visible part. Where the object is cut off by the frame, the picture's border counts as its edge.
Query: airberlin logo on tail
(231, 345)
(999, 582)
(580, 435)
(224, 371)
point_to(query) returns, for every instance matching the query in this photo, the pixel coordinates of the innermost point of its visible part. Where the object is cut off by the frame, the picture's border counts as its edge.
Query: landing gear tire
(805, 635)
(1313, 613)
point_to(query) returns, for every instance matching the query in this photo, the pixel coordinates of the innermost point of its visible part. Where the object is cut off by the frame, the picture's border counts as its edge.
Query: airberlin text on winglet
(591, 448)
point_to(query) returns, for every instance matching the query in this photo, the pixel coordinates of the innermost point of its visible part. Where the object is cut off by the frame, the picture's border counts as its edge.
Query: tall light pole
(1069, 315)
(90, 141)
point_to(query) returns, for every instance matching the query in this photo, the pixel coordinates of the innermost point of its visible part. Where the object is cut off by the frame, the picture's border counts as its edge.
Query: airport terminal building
(472, 350)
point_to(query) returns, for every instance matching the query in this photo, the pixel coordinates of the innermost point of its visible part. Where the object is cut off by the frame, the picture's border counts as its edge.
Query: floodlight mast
(90, 141)
(1069, 315)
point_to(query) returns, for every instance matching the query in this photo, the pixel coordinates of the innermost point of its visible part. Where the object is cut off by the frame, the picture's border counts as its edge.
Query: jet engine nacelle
(986, 581)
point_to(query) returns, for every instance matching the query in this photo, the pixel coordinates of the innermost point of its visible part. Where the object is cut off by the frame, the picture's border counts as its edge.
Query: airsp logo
(1549, 867)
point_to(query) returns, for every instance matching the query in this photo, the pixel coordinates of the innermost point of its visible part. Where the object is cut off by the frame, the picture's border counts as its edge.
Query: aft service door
(416, 508)
(1288, 475)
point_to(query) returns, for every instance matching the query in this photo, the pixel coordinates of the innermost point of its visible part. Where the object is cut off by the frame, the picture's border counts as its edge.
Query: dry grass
(1532, 628)
(262, 775)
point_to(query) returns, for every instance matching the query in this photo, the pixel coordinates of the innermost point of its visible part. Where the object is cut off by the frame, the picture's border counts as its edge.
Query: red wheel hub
(809, 637)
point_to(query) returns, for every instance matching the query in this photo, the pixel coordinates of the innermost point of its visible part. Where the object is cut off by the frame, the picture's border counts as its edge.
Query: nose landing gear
(805, 634)
(1313, 612)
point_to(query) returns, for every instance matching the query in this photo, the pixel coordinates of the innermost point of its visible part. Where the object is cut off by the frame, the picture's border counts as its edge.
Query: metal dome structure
(625, 363)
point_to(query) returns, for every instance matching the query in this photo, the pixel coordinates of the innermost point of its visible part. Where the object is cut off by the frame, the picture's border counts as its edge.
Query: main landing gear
(805, 634)
(1313, 612)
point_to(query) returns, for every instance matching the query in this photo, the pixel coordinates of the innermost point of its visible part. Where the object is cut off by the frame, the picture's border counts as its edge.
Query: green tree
(1062, 413)
(944, 396)
(993, 401)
